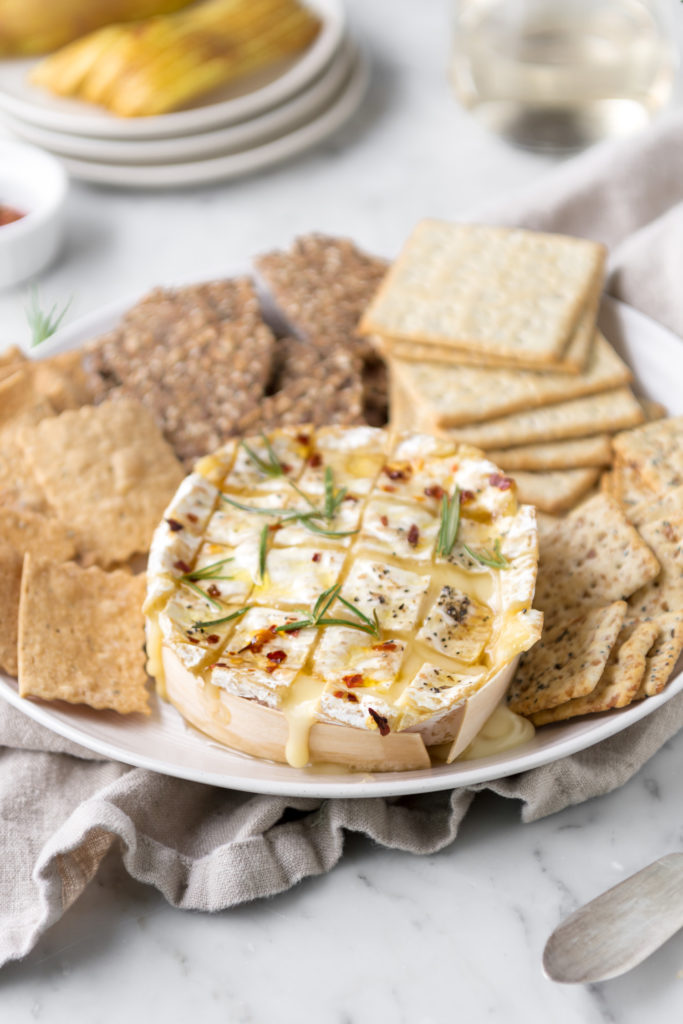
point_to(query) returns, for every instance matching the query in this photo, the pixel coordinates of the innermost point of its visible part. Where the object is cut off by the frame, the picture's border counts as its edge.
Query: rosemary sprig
(43, 325)
(207, 572)
(263, 552)
(333, 499)
(202, 593)
(272, 466)
(296, 515)
(495, 559)
(450, 523)
(316, 616)
(225, 618)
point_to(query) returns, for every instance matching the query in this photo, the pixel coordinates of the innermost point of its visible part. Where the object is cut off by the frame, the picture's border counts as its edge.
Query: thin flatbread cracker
(43, 536)
(664, 506)
(591, 557)
(505, 291)
(20, 405)
(662, 657)
(665, 592)
(619, 683)
(81, 636)
(572, 454)
(580, 417)
(62, 379)
(568, 660)
(10, 586)
(107, 472)
(554, 491)
(465, 394)
(655, 452)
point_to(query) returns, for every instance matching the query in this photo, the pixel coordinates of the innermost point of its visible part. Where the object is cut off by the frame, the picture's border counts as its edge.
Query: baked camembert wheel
(341, 595)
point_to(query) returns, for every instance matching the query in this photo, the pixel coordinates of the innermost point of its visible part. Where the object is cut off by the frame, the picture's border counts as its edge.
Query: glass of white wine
(559, 74)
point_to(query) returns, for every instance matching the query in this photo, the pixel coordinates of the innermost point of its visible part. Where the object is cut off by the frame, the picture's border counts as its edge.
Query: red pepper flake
(380, 721)
(385, 645)
(350, 497)
(351, 697)
(274, 527)
(466, 496)
(384, 520)
(315, 460)
(388, 488)
(182, 566)
(259, 640)
(503, 483)
(316, 556)
(8, 215)
(353, 680)
(277, 656)
(303, 438)
(192, 517)
(192, 640)
(174, 525)
(340, 694)
(398, 472)
(213, 591)
(413, 535)
(435, 491)
(285, 467)
(212, 638)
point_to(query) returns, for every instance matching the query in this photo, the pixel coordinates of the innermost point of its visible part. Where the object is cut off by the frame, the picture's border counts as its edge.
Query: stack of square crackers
(490, 336)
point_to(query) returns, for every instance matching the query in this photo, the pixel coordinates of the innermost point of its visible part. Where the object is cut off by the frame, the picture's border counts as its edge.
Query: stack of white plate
(253, 125)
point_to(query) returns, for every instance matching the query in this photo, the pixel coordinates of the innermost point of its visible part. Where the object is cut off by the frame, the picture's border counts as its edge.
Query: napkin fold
(62, 807)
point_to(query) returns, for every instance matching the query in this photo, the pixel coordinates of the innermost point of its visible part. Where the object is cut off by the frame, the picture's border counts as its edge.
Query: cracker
(655, 452)
(31, 531)
(591, 557)
(665, 592)
(464, 394)
(19, 405)
(509, 292)
(10, 586)
(568, 660)
(580, 417)
(11, 360)
(198, 358)
(62, 380)
(663, 506)
(81, 636)
(628, 486)
(572, 454)
(108, 474)
(663, 655)
(619, 683)
(554, 491)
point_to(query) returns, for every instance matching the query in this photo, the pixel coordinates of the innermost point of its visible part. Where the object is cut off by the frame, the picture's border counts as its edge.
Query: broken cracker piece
(10, 586)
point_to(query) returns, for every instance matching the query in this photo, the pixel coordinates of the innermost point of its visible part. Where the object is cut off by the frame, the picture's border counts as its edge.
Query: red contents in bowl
(8, 215)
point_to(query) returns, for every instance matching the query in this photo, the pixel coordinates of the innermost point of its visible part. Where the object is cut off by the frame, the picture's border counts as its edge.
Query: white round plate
(164, 743)
(236, 103)
(293, 113)
(231, 165)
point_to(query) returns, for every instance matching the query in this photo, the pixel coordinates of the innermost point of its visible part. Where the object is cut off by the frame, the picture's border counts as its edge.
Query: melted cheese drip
(502, 731)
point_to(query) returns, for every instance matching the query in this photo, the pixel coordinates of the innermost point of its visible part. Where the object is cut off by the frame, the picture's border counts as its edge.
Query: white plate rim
(232, 165)
(294, 112)
(623, 321)
(311, 62)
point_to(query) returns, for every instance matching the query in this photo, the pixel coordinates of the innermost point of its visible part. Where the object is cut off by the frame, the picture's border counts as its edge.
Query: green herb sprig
(43, 325)
(207, 572)
(263, 552)
(316, 617)
(493, 559)
(450, 523)
(225, 618)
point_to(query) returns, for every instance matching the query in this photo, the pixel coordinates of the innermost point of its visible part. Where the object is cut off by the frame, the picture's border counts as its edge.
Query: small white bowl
(35, 184)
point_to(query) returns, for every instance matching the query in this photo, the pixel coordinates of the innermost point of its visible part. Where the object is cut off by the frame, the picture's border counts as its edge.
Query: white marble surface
(386, 937)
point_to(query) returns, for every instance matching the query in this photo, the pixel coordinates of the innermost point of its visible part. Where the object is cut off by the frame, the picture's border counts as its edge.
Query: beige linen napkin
(61, 807)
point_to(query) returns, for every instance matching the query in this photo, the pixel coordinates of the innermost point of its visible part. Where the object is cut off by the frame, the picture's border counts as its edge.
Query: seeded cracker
(508, 292)
(10, 585)
(107, 472)
(665, 506)
(198, 358)
(591, 557)
(81, 636)
(556, 490)
(567, 662)
(654, 452)
(572, 454)
(581, 417)
(661, 659)
(665, 593)
(465, 394)
(619, 683)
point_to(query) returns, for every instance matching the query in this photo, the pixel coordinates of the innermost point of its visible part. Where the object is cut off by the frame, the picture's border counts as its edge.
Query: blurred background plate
(232, 165)
(297, 110)
(242, 100)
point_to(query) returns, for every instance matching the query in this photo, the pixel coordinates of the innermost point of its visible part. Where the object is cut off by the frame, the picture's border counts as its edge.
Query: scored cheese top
(271, 538)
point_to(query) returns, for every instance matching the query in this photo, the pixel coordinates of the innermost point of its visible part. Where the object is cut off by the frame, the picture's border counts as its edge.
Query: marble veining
(386, 938)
